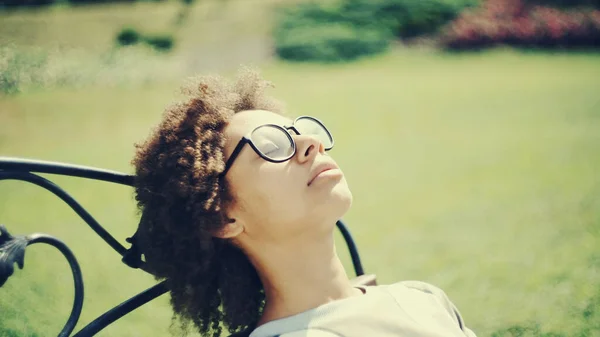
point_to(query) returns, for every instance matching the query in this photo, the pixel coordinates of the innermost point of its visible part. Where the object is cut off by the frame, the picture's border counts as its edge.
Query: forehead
(245, 121)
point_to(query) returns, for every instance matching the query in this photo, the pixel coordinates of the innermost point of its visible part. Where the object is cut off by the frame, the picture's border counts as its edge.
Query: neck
(299, 276)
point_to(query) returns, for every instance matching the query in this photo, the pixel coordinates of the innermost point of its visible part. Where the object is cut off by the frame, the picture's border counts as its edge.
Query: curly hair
(182, 199)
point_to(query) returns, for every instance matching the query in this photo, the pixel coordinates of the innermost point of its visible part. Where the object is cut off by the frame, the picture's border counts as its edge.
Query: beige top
(404, 309)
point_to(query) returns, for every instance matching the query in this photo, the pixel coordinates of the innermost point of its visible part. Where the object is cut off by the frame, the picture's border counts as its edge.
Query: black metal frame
(12, 248)
(248, 140)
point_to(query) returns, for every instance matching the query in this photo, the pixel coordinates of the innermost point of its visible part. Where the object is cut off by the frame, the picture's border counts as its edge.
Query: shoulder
(416, 288)
(435, 293)
(420, 287)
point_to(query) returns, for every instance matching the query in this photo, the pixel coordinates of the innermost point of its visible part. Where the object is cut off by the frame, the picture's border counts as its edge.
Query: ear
(230, 230)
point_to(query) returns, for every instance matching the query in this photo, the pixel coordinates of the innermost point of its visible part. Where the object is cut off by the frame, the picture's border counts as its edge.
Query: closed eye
(268, 147)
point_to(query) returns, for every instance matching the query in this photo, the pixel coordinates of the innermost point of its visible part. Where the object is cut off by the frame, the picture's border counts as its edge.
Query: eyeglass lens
(273, 142)
(309, 126)
(277, 144)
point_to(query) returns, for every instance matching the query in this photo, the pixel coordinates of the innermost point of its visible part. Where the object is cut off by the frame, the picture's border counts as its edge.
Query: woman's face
(276, 202)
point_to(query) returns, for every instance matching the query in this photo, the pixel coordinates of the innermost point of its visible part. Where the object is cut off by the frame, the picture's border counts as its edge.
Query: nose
(307, 148)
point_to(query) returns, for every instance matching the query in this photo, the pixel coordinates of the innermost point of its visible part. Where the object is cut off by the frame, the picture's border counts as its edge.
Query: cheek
(273, 196)
(278, 193)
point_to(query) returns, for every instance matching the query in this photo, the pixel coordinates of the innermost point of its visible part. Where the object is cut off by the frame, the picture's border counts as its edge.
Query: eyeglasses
(274, 143)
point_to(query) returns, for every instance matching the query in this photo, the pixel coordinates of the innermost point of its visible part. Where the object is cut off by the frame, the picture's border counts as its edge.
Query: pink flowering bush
(516, 23)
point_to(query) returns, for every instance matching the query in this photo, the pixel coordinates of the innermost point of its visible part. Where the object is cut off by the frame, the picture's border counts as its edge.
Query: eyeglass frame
(247, 140)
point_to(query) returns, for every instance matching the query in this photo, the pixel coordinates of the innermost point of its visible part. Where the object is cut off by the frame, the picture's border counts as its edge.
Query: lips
(320, 169)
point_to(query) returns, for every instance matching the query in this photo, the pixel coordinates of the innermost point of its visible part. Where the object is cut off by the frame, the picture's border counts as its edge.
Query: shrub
(19, 69)
(160, 42)
(322, 32)
(375, 14)
(410, 18)
(405, 18)
(128, 36)
(308, 13)
(424, 16)
(348, 29)
(330, 43)
(512, 22)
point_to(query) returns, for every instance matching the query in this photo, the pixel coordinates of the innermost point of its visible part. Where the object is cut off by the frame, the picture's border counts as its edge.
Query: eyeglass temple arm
(234, 155)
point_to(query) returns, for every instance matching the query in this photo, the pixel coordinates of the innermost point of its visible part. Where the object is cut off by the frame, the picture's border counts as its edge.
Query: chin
(338, 201)
(343, 193)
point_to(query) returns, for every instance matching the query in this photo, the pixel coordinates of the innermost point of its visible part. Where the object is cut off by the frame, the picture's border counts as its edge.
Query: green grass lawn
(479, 173)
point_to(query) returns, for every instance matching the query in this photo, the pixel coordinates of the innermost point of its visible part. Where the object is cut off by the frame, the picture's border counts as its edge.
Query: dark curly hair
(182, 198)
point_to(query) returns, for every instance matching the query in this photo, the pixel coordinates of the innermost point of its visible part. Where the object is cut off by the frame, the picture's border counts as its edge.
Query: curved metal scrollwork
(12, 248)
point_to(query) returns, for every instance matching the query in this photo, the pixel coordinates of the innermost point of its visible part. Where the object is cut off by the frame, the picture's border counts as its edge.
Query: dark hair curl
(181, 197)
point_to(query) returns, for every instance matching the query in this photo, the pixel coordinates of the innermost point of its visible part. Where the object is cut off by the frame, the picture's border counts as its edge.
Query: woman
(239, 205)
